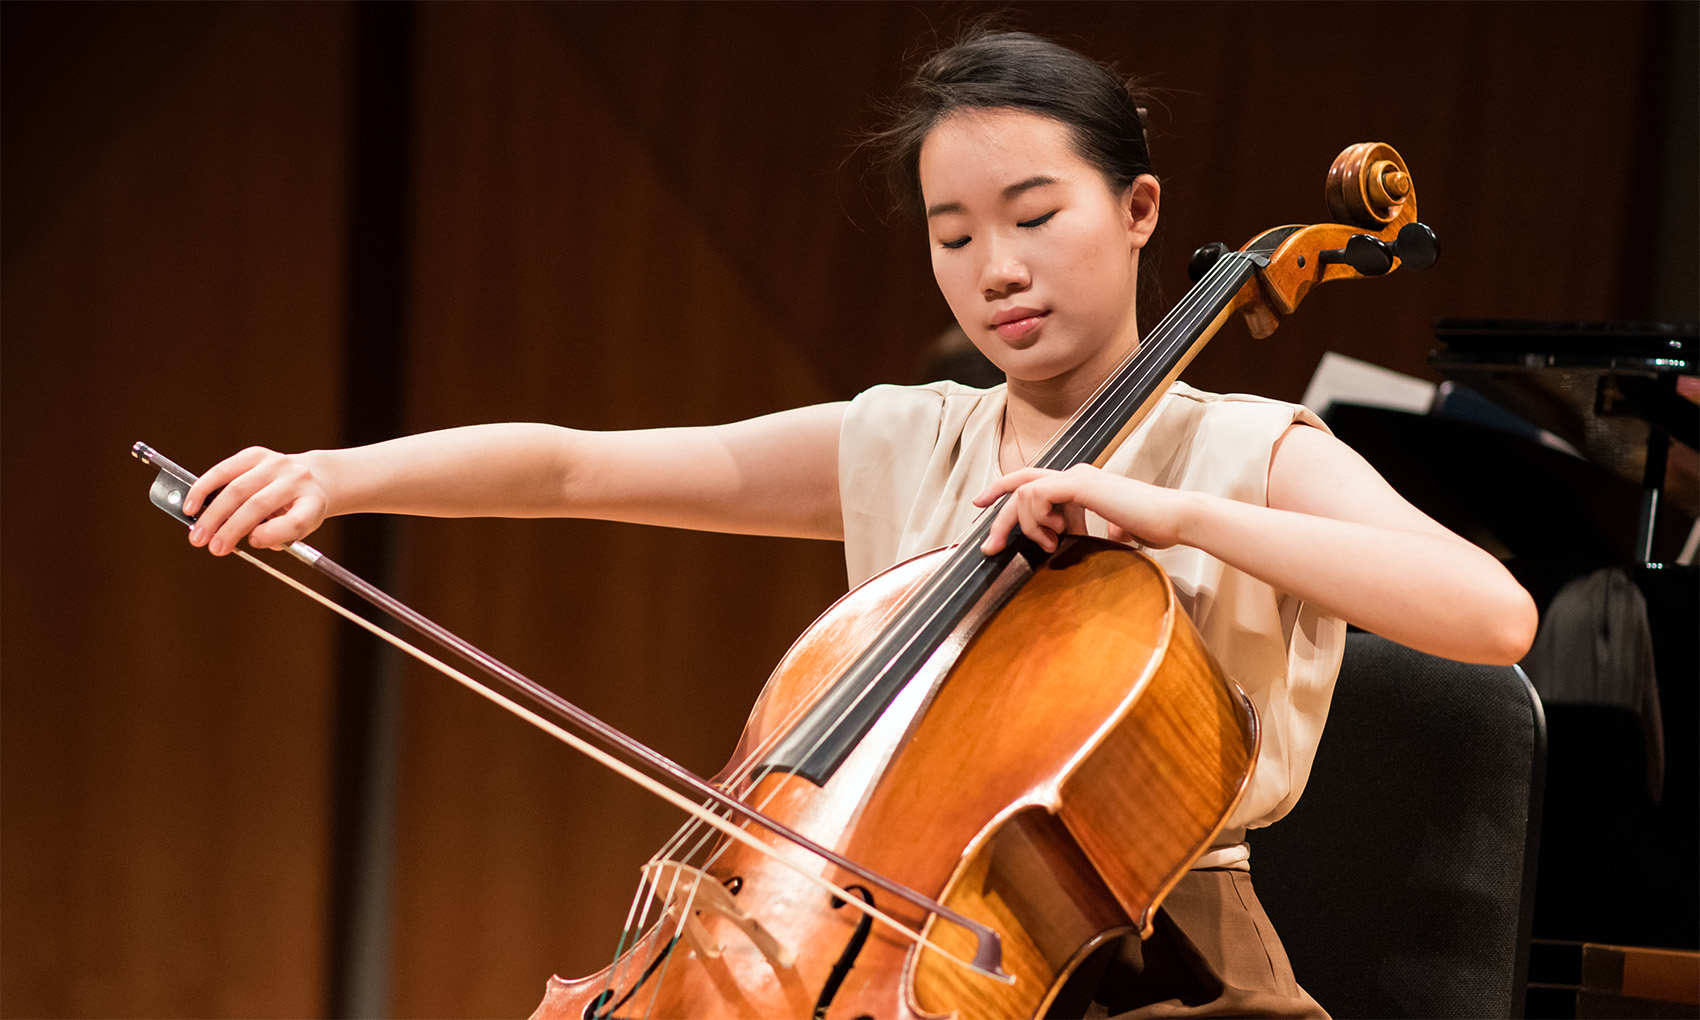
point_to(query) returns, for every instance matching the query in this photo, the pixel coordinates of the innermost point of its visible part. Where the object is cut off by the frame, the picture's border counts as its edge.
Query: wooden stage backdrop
(294, 225)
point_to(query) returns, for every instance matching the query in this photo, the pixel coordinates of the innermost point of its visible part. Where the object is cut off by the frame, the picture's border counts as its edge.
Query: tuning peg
(1370, 256)
(1203, 259)
(1417, 247)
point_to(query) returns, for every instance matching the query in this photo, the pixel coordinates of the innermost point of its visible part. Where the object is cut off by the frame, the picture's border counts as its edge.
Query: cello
(1092, 747)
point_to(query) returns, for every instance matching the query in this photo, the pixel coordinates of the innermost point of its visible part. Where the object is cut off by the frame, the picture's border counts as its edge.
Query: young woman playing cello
(1028, 163)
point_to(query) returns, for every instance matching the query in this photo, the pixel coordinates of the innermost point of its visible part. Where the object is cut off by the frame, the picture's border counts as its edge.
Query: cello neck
(1128, 396)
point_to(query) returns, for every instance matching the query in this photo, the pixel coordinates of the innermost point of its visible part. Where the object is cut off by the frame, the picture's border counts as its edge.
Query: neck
(1037, 410)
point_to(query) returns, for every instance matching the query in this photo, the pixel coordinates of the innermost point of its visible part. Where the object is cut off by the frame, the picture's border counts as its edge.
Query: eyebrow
(1018, 188)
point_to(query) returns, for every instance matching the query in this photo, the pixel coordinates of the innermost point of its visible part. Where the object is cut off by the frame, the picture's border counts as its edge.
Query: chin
(1038, 367)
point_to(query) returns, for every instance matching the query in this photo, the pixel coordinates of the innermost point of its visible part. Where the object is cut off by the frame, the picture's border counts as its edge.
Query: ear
(1140, 203)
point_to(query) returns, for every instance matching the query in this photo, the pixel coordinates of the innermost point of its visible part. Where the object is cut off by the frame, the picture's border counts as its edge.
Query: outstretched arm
(1334, 534)
(774, 475)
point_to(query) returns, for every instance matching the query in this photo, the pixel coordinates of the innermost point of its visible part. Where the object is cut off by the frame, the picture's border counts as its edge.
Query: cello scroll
(1369, 189)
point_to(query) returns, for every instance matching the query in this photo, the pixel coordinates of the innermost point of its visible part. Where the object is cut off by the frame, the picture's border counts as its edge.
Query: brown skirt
(1212, 952)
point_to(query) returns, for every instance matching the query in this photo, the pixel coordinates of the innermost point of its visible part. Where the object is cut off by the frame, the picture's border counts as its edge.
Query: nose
(1003, 273)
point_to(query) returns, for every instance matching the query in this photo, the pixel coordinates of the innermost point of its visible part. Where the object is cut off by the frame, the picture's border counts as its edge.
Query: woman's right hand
(270, 498)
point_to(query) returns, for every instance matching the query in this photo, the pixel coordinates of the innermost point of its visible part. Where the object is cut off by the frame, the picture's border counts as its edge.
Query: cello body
(1052, 772)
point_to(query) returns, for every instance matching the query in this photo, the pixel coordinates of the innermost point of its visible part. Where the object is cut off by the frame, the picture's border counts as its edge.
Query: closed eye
(1037, 221)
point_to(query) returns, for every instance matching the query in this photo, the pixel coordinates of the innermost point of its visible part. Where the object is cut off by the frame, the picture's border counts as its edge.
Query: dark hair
(1018, 71)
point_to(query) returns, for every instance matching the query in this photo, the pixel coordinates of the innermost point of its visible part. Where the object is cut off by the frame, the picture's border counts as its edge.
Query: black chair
(1403, 882)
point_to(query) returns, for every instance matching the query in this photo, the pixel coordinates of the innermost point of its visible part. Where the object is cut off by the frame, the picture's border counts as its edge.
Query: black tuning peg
(1203, 259)
(1370, 256)
(1417, 247)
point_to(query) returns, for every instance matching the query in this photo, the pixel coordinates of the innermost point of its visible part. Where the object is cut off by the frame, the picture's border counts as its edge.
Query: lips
(1017, 323)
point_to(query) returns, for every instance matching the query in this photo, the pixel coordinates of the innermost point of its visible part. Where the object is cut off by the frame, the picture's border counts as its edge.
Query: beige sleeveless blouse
(911, 459)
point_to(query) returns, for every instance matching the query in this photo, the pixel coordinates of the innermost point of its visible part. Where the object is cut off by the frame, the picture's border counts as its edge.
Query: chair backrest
(1402, 884)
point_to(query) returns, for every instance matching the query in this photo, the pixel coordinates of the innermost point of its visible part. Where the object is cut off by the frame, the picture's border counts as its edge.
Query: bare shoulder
(1315, 473)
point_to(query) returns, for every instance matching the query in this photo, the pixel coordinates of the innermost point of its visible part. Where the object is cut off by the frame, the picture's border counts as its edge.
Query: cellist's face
(1037, 257)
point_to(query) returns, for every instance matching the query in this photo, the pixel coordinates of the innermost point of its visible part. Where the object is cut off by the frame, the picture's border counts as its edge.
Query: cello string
(647, 894)
(629, 937)
(597, 754)
(1137, 370)
(667, 961)
(1169, 337)
(1165, 340)
(678, 928)
(765, 746)
(664, 854)
(1176, 346)
(616, 970)
(760, 750)
(943, 578)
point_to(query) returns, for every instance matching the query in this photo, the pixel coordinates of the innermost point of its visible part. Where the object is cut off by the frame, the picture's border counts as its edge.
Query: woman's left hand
(1050, 504)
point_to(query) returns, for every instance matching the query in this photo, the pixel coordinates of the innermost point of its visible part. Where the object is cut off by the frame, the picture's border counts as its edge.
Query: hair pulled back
(1016, 70)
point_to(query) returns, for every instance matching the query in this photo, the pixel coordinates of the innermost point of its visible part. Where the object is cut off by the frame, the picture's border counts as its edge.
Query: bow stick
(172, 485)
